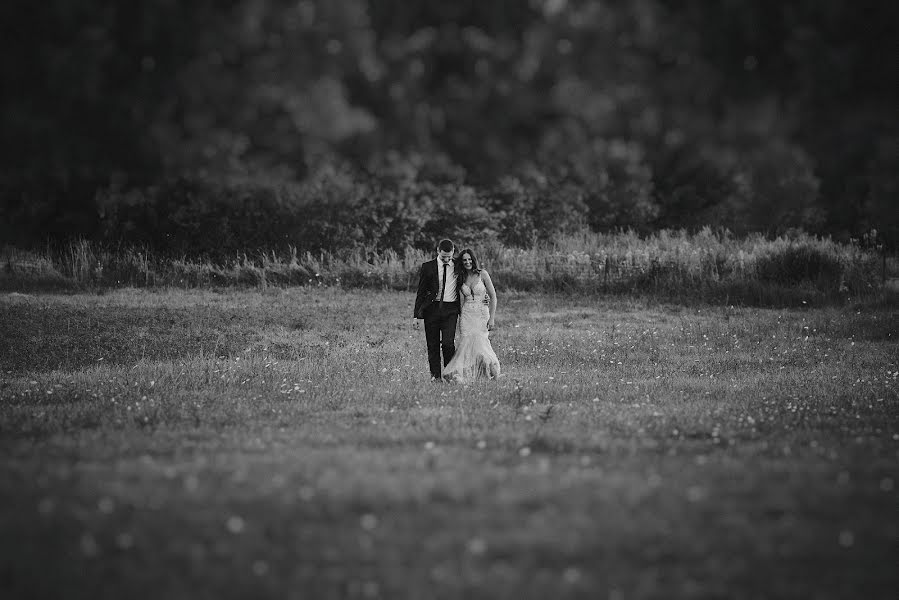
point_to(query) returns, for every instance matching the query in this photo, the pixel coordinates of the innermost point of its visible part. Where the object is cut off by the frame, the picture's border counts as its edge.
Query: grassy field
(287, 443)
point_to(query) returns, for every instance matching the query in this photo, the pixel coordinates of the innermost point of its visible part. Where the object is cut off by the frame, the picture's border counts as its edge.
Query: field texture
(287, 443)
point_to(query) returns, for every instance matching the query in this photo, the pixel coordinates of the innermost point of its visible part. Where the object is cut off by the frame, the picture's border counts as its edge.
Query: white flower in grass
(571, 575)
(368, 522)
(191, 483)
(106, 505)
(476, 546)
(371, 589)
(260, 568)
(235, 524)
(847, 538)
(124, 540)
(89, 546)
(46, 506)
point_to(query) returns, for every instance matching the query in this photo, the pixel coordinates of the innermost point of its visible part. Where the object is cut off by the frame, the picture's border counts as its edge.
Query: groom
(437, 302)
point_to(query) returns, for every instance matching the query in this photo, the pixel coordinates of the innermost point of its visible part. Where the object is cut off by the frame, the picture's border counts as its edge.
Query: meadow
(286, 442)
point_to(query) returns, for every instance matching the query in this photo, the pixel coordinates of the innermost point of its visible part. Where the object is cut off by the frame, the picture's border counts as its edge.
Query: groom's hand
(415, 323)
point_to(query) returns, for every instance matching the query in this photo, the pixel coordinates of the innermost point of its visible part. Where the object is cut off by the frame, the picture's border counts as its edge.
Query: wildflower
(260, 568)
(235, 524)
(847, 538)
(476, 546)
(368, 521)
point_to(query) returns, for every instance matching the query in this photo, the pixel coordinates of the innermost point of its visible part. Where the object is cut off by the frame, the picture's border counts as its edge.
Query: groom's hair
(445, 245)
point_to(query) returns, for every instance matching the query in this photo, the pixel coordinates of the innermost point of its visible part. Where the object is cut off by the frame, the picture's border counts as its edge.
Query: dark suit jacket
(428, 287)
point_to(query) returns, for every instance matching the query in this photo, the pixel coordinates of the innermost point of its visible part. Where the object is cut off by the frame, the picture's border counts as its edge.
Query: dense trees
(651, 113)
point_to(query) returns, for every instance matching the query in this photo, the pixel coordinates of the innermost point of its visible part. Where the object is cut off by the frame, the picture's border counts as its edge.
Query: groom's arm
(421, 297)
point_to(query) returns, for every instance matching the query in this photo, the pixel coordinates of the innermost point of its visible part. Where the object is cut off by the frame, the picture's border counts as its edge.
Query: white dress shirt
(449, 294)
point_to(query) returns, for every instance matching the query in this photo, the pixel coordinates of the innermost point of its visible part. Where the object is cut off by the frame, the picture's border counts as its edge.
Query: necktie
(443, 285)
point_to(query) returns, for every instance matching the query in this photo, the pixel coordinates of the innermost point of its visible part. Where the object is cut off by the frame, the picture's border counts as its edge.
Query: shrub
(781, 190)
(331, 211)
(201, 217)
(801, 263)
(537, 212)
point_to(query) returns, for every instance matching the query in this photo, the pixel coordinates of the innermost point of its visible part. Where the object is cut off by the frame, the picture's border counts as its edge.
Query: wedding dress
(474, 357)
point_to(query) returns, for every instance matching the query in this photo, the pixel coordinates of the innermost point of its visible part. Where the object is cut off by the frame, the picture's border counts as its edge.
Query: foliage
(330, 211)
(782, 191)
(797, 264)
(882, 191)
(196, 217)
(536, 208)
(752, 116)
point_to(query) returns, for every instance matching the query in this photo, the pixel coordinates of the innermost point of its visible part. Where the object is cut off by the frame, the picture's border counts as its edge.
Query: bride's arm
(491, 293)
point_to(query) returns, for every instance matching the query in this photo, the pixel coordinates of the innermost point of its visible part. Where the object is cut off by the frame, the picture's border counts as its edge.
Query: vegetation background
(211, 127)
(689, 210)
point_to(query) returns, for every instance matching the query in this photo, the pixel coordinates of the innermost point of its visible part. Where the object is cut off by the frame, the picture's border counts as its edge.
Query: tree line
(755, 116)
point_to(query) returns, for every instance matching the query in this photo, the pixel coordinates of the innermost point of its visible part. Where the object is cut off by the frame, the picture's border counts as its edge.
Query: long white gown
(474, 358)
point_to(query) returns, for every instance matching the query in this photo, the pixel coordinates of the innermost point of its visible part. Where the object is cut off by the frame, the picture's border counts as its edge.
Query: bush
(331, 211)
(800, 263)
(537, 210)
(780, 188)
(692, 186)
(202, 218)
(458, 213)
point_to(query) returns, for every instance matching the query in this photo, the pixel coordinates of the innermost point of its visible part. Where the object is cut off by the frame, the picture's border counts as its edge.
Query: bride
(474, 357)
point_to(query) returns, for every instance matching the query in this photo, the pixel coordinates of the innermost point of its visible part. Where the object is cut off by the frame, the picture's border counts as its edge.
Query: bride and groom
(455, 291)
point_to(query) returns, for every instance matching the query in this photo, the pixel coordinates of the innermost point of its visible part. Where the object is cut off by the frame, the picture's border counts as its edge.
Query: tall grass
(706, 266)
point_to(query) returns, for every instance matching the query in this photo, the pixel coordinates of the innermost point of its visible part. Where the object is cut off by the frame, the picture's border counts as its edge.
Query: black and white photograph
(449, 299)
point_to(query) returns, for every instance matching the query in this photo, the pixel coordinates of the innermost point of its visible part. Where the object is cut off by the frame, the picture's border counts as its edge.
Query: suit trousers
(440, 331)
